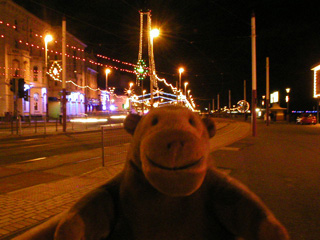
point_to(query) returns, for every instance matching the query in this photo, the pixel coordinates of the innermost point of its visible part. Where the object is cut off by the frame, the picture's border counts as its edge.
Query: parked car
(306, 118)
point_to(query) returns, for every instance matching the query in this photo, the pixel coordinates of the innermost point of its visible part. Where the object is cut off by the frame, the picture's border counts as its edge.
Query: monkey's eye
(192, 122)
(154, 121)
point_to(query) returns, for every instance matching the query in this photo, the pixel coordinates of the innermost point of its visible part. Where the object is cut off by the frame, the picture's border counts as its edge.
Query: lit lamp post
(287, 100)
(130, 93)
(181, 70)
(153, 34)
(185, 89)
(107, 73)
(263, 101)
(143, 93)
(48, 38)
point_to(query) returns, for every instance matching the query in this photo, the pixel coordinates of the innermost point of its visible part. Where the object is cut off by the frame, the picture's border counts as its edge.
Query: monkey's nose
(175, 144)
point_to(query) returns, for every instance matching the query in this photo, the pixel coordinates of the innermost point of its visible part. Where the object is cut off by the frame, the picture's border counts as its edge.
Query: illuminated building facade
(316, 81)
(22, 55)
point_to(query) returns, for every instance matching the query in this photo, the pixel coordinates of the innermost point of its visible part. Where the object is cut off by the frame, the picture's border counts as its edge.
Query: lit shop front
(75, 104)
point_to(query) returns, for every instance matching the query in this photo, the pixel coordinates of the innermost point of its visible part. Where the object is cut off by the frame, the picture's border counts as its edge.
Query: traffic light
(26, 95)
(13, 85)
(21, 88)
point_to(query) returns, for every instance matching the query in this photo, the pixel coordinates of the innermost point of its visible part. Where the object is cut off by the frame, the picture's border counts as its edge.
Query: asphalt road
(28, 161)
(282, 165)
(26, 149)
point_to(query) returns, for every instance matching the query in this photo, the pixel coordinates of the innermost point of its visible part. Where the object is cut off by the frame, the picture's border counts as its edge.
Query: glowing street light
(287, 100)
(143, 93)
(288, 90)
(185, 88)
(130, 92)
(181, 70)
(107, 73)
(48, 38)
(154, 33)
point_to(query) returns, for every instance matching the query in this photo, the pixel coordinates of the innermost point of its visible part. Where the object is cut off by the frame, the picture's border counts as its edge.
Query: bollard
(45, 124)
(12, 125)
(17, 124)
(20, 126)
(102, 142)
(35, 125)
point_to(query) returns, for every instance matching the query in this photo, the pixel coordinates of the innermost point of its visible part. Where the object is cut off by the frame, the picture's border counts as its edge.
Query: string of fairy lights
(55, 78)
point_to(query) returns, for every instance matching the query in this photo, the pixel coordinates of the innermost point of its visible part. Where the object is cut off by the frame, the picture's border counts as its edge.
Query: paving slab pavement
(25, 208)
(281, 165)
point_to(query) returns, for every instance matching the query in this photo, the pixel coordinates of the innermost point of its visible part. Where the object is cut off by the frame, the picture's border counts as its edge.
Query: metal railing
(114, 148)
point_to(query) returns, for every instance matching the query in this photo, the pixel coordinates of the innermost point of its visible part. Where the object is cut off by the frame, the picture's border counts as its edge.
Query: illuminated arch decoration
(243, 106)
(141, 70)
(55, 70)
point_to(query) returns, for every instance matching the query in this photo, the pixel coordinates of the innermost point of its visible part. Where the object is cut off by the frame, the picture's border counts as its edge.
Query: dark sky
(209, 38)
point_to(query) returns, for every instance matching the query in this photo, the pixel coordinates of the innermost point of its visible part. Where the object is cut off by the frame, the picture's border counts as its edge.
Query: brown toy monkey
(166, 191)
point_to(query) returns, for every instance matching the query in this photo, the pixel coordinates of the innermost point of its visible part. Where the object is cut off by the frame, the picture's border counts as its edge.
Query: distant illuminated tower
(141, 70)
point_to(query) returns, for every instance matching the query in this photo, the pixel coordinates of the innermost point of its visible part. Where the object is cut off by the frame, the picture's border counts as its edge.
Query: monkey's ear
(131, 122)
(211, 127)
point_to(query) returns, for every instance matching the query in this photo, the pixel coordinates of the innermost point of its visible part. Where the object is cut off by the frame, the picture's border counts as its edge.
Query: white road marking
(28, 140)
(36, 145)
(34, 160)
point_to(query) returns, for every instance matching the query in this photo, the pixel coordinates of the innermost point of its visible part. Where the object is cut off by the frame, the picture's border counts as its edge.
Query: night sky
(211, 39)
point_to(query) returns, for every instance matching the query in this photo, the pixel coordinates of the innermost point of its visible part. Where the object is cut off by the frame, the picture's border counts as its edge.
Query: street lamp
(185, 88)
(263, 101)
(107, 73)
(48, 38)
(130, 93)
(185, 91)
(287, 100)
(153, 34)
(181, 70)
(143, 93)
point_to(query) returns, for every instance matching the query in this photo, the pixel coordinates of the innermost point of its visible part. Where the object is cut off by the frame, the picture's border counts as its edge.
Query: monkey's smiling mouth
(174, 168)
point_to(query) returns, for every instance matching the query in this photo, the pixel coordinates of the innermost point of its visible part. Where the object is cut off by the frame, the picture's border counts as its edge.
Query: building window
(44, 102)
(35, 73)
(16, 68)
(36, 101)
